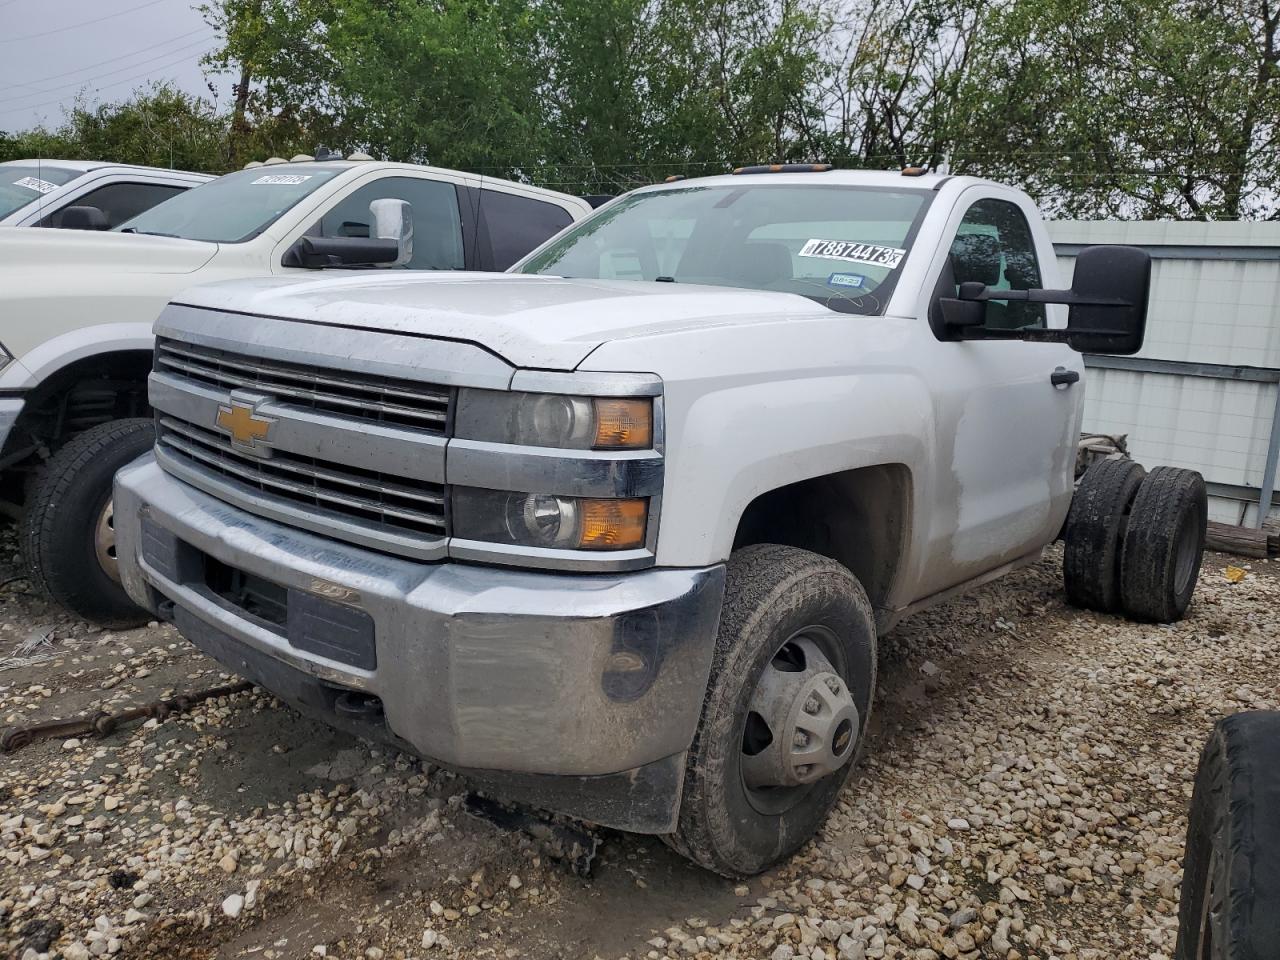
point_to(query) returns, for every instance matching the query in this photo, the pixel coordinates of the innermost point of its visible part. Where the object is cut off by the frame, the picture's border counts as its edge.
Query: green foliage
(162, 127)
(1152, 108)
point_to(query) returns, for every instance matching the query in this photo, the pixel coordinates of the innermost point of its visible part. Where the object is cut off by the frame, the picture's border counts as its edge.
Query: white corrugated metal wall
(1203, 391)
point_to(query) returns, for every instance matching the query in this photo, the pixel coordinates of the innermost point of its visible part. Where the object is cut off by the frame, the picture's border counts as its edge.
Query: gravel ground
(1023, 795)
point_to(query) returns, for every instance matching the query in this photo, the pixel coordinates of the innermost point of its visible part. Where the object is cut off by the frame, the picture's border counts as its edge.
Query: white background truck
(37, 193)
(617, 532)
(78, 307)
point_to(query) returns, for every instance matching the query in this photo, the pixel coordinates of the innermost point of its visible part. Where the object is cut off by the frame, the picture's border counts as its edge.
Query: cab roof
(850, 178)
(86, 166)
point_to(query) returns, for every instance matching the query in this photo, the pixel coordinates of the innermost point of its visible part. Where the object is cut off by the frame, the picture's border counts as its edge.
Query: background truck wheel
(1231, 870)
(1094, 533)
(67, 533)
(1163, 544)
(786, 708)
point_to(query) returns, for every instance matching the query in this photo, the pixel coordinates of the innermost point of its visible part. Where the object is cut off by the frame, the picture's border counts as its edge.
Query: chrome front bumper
(539, 676)
(10, 407)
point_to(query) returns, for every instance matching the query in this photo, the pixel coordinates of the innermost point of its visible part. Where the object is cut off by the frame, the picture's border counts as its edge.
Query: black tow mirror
(391, 245)
(1108, 301)
(83, 218)
(317, 253)
(1109, 306)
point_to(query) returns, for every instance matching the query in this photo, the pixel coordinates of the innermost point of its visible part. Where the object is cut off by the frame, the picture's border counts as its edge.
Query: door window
(994, 246)
(437, 227)
(119, 201)
(511, 225)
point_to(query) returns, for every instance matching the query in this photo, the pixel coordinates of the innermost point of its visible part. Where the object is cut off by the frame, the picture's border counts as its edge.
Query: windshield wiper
(664, 279)
(150, 233)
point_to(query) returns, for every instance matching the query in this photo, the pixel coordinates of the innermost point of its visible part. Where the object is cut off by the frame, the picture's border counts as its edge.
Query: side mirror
(83, 218)
(393, 220)
(391, 244)
(1110, 290)
(1108, 301)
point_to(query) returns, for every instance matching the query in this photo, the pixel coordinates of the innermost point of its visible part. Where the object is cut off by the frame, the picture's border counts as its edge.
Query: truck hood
(550, 323)
(22, 249)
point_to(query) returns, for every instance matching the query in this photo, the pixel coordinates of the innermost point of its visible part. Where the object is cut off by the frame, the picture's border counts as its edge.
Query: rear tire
(66, 532)
(777, 599)
(1094, 533)
(1163, 545)
(1231, 870)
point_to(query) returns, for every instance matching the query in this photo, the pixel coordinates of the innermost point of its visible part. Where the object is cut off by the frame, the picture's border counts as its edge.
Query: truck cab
(617, 532)
(40, 193)
(76, 346)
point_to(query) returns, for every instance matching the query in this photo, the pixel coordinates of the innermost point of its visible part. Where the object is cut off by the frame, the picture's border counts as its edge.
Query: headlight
(553, 420)
(545, 520)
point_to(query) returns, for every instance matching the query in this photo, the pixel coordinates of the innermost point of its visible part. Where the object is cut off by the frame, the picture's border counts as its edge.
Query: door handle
(1062, 377)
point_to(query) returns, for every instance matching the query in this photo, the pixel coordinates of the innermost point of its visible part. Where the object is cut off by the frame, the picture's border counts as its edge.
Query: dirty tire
(771, 592)
(1231, 870)
(1163, 544)
(1094, 533)
(59, 524)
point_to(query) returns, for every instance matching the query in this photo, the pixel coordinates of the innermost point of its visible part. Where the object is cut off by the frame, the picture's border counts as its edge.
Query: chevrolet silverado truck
(84, 194)
(617, 532)
(78, 306)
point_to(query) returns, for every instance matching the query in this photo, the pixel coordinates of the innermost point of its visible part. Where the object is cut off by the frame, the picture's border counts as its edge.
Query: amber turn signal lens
(613, 524)
(624, 423)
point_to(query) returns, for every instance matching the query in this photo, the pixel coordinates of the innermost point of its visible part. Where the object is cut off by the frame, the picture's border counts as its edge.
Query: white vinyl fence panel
(1202, 393)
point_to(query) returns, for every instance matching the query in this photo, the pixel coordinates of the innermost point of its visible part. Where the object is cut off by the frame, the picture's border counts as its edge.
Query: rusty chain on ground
(102, 723)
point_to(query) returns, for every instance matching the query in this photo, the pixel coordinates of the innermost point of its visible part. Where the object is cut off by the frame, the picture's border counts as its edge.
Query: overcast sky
(53, 50)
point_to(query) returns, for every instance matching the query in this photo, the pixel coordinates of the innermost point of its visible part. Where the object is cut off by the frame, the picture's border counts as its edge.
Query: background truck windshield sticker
(869, 253)
(284, 178)
(846, 280)
(31, 183)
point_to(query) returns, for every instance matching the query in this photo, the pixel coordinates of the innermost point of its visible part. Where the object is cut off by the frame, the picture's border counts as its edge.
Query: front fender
(60, 351)
(728, 446)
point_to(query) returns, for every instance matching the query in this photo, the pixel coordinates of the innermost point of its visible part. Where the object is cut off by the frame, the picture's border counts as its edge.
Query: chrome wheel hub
(802, 723)
(104, 542)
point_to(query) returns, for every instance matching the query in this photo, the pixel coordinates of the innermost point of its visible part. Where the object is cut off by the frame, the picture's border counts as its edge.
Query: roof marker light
(785, 168)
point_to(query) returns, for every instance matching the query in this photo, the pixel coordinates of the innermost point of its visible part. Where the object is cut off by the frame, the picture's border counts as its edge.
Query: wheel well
(858, 518)
(83, 394)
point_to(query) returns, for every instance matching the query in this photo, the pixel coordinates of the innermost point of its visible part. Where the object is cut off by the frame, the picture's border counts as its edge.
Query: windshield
(22, 183)
(233, 208)
(842, 246)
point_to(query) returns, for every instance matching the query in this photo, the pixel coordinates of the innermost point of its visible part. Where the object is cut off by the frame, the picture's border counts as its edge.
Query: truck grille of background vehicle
(369, 498)
(359, 397)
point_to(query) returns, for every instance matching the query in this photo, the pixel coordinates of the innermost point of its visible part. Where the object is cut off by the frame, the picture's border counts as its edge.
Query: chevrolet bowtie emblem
(246, 427)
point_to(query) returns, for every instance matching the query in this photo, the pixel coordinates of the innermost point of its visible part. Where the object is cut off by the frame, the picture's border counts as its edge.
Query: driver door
(1006, 436)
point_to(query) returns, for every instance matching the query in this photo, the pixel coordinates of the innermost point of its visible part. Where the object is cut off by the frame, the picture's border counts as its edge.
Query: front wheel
(68, 527)
(786, 709)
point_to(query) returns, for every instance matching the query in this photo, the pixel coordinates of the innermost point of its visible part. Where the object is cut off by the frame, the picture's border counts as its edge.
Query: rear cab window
(512, 224)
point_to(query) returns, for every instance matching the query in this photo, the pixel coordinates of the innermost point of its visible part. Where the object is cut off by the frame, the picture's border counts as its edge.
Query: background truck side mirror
(1108, 301)
(391, 244)
(83, 218)
(393, 220)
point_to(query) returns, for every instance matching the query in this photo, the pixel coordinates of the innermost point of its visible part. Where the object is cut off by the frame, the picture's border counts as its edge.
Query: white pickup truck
(617, 532)
(78, 307)
(85, 194)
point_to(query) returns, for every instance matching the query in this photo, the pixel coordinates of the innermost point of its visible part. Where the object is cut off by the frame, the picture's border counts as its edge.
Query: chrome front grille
(364, 506)
(360, 397)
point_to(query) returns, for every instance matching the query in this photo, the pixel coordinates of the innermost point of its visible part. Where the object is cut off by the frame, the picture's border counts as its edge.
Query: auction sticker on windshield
(869, 253)
(287, 179)
(33, 183)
